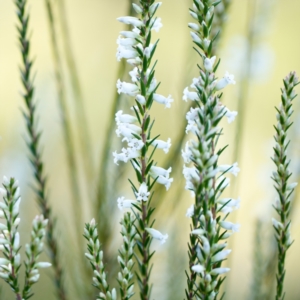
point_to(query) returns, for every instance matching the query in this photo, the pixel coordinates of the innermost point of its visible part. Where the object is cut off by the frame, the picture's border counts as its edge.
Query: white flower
(134, 74)
(157, 235)
(156, 24)
(158, 171)
(127, 53)
(192, 114)
(143, 194)
(194, 26)
(127, 88)
(198, 231)
(291, 186)
(148, 51)
(163, 100)
(133, 153)
(126, 42)
(190, 212)
(195, 37)
(16, 241)
(166, 181)
(43, 265)
(234, 169)
(189, 95)
(165, 146)
(131, 21)
(120, 156)
(137, 8)
(187, 154)
(141, 99)
(209, 63)
(219, 271)
(220, 255)
(127, 130)
(124, 118)
(198, 268)
(154, 7)
(130, 34)
(190, 174)
(230, 226)
(135, 143)
(230, 115)
(231, 204)
(124, 203)
(227, 79)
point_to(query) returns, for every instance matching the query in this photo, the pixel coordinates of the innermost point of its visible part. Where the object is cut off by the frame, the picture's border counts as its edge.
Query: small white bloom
(227, 79)
(163, 100)
(192, 114)
(154, 7)
(124, 118)
(127, 130)
(127, 88)
(137, 8)
(219, 271)
(194, 26)
(124, 203)
(126, 42)
(291, 186)
(195, 37)
(165, 181)
(189, 95)
(230, 226)
(141, 99)
(220, 255)
(158, 171)
(165, 146)
(209, 63)
(42, 265)
(16, 241)
(157, 235)
(133, 153)
(190, 211)
(34, 278)
(3, 261)
(143, 194)
(156, 24)
(135, 143)
(190, 174)
(148, 51)
(187, 154)
(230, 115)
(233, 169)
(131, 21)
(198, 231)
(125, 52)
(130, 34)
(134, 74)
(120, 156)
(198, 268)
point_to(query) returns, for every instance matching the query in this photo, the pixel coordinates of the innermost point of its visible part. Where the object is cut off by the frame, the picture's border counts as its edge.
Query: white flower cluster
(10, 241)
(95, 257)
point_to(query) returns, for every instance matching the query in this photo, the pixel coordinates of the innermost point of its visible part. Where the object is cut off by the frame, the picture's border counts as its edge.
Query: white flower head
(198, 268)
(227, 79)
(230, 115)
(124, 203)
(163, 100)
(164, 181)
(189, 95)
(157, 235)
(233, 169)
(131, 21)
(126, 52)
(124, 118)
(141, 99)
(134, 74)
(209, 63)
(187, 154)
(165, 146)
(127, 88)
(156, 24)
(230, 226)
(190, 211)
(142, 194)
(195, 37)
(134, 143)
(120, 156)
(158, 171)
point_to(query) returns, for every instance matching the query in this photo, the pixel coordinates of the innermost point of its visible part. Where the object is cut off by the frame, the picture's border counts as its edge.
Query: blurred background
(259, 44)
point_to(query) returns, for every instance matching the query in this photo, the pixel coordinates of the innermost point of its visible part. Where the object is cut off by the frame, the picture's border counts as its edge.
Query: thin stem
(82, 121)
(34, 146)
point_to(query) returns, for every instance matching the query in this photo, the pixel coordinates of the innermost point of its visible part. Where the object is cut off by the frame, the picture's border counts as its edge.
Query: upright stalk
(205, 179)
(34, 146)
(135, 46)
(281, 177)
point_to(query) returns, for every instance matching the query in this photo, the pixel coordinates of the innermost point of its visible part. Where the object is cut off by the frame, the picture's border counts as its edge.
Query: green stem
(34, 146)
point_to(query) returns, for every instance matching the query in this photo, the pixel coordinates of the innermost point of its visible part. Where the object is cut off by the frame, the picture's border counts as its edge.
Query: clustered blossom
(10, 242)
(205, 179)
(135, 128)
(95, 257)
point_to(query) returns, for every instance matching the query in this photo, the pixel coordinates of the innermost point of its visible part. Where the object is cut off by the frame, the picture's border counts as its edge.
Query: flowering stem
(33, 143)
(281, 176)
